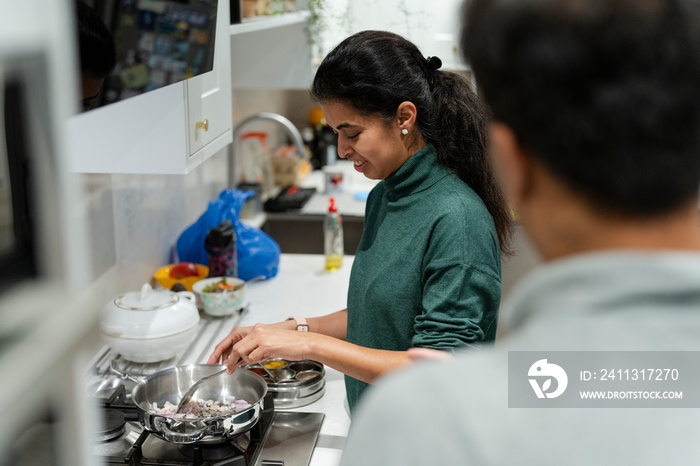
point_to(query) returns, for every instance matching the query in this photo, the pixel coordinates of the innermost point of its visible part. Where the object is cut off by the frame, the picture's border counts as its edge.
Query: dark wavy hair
(375, 71)
(605, 94)
(97, 50)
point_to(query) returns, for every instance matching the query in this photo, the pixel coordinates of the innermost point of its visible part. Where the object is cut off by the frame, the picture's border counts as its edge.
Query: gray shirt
(456, 413)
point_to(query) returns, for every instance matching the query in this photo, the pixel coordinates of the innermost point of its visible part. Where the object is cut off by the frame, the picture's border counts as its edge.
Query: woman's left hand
(264, 342)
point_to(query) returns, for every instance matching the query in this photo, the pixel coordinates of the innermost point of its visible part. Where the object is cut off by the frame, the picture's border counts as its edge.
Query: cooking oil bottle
(333, 238)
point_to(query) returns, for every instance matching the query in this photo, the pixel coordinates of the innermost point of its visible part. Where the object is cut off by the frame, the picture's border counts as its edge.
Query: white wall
(433, 26)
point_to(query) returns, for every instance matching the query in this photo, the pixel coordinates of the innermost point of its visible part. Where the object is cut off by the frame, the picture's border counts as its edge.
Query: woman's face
(377, 150)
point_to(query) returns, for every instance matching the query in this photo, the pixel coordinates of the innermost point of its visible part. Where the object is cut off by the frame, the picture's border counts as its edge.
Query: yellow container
(163, 277)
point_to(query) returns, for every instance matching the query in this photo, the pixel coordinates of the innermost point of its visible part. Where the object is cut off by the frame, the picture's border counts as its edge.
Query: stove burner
(115, 450)
(151, 450)
(113, 423)
(219, 451)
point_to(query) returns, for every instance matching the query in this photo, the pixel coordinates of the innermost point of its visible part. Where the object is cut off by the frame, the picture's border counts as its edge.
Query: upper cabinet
(170, 130)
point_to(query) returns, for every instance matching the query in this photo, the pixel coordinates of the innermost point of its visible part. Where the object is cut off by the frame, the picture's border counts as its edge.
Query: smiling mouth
(358, 163)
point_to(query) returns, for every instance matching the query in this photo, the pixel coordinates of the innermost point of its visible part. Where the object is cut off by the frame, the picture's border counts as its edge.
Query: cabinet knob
(202, 125)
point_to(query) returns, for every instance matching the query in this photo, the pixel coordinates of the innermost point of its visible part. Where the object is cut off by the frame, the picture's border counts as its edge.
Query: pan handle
(178, 437)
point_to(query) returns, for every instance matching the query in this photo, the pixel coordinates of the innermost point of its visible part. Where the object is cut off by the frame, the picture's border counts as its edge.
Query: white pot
(150, 325)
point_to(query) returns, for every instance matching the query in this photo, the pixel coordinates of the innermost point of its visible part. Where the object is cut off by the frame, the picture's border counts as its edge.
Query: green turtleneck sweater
(427, 272)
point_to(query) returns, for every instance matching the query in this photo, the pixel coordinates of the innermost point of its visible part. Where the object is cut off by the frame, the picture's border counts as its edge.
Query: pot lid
(147, 299)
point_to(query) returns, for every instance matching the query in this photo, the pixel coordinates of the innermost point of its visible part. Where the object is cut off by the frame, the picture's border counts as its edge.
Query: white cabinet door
(155, 132)
(209, 97)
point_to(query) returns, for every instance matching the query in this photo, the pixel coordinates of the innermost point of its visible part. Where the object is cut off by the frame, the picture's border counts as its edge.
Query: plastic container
(220, 245)
(333, 238)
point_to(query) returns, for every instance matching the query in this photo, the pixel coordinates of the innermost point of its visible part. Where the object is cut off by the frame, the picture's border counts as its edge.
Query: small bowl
(284, 375)
(276, 363)
(222, 303)
(302, 366)
(308, 375)
(163, 277)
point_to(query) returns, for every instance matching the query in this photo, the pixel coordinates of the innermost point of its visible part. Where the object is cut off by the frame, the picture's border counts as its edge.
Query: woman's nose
(343, 149)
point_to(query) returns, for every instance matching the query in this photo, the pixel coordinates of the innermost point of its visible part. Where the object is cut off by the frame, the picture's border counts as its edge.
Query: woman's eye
(353, 137)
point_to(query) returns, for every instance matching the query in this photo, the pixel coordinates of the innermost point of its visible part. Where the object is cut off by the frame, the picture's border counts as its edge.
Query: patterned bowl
(220, 302)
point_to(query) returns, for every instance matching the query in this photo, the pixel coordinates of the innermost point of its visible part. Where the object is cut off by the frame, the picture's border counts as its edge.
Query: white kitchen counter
(303, 288)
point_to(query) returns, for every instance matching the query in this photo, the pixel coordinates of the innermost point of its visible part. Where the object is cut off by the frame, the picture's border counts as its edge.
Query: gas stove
(278, 438)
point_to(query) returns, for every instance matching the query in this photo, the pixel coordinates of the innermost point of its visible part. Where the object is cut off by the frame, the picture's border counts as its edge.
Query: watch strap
(302, 326)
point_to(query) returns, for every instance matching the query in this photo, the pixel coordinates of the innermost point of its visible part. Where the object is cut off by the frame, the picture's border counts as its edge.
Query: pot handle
(178, 437)
(189, 295)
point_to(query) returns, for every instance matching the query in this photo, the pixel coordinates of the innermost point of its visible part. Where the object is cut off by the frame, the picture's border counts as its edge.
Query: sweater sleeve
(461, 279)
(460, 307)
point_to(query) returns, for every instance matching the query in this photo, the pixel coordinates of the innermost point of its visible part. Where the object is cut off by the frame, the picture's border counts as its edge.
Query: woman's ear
(406, 115)
(510, 163)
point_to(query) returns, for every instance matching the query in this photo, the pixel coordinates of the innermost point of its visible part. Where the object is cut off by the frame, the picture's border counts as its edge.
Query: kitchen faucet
(291, 129)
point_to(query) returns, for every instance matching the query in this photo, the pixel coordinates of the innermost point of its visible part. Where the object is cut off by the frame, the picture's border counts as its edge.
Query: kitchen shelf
(271, 52)
(261, 23)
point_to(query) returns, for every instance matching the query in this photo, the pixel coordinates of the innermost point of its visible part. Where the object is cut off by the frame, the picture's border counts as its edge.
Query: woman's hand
(265, 341)
(222, 352)
(223, 349)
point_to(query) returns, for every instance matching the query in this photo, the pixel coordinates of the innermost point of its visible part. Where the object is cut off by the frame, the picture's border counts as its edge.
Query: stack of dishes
(291, 383)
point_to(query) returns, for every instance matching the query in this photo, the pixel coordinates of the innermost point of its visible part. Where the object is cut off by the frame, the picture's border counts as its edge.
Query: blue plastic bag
(258, 254)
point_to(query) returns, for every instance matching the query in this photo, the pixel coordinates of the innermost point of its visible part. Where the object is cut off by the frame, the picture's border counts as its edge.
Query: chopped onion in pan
(198, 409)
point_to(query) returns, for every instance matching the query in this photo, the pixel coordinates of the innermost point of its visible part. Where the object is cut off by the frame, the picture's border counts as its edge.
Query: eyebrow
(345, 125)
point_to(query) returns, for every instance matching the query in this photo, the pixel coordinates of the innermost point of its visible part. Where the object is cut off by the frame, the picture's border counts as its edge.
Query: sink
(303, 234)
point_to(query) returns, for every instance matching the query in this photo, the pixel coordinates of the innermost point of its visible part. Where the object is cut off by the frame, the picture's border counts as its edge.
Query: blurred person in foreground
(595, 135)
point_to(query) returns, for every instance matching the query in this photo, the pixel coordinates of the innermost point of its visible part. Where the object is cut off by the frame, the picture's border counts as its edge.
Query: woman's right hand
(223, 349)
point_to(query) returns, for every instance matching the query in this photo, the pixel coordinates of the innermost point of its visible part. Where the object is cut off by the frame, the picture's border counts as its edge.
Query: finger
(244, 347)
(226, 354)
(232, 362)
(216, 356)
(258, 355)
(219, 351)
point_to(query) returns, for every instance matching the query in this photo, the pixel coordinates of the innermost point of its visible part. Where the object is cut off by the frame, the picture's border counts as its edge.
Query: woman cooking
(427, 270)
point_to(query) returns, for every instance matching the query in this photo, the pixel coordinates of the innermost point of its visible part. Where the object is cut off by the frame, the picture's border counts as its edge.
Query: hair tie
(429, 66)
(434, 63)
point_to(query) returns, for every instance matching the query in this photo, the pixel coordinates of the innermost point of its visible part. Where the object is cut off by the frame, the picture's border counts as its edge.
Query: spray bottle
(333, 238)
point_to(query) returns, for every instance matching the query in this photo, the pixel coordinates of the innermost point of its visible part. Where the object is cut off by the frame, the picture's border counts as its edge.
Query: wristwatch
(302, 326)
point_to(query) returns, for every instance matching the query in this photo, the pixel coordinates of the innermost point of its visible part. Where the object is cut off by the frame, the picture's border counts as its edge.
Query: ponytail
(375, 71)
(460, 135)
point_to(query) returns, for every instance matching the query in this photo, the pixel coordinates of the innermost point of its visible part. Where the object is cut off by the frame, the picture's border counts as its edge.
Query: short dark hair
(605, 94)
(97, 50)
(375, 71)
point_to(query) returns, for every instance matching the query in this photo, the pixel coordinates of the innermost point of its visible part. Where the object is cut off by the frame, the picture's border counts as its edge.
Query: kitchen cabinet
(170, 130)
(271, 52)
